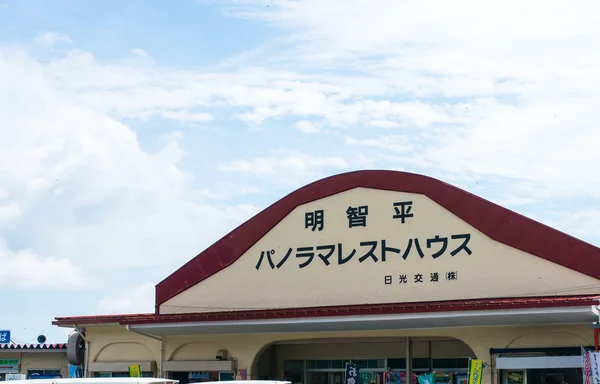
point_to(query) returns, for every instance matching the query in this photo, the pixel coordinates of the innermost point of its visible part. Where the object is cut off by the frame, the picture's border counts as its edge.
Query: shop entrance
(559, 365)
(542, 376)
(183, 377)
(338, 377)
(201, 377)
(333, 371)
(380, 360)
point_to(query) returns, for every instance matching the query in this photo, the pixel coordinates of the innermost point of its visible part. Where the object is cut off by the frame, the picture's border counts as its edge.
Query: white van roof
(248, 382)
(98, 380)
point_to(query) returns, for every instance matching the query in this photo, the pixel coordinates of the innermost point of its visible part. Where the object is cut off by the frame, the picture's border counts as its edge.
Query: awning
(503, 317)
(539, 362)
(120, 366)
(198, 365)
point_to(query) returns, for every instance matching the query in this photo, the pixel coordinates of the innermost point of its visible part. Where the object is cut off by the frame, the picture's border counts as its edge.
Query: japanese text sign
(9, 365)
(475, 371)
(135, 370)
(4, 337)
(352, 373)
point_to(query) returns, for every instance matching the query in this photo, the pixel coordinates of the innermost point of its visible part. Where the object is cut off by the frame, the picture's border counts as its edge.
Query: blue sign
(49, 377)
(75, 371)
(4, 337)
(35, 376)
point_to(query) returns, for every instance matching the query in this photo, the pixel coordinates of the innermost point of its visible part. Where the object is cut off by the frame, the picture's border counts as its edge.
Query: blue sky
(135, 133)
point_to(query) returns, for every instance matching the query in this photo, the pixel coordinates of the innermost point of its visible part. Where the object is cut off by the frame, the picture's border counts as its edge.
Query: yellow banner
(475, 371)
(135, 370)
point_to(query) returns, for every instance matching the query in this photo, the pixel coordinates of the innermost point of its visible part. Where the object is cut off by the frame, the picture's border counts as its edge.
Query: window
(396, 363)
(339, 364)
(318, 364)
(119, 374)
(293, 365)
(418, 363)
(371, 363)
(43, 373)
(293, 370)
(455, 363)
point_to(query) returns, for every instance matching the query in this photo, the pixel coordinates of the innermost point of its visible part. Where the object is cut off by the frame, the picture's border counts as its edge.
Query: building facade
(396, 272)
(33, 361)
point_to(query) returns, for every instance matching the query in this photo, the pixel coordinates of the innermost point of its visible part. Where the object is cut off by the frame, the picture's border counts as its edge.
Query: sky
(134, 134)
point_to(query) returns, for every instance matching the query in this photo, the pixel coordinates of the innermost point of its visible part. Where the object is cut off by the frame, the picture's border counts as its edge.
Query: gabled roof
(498, 223)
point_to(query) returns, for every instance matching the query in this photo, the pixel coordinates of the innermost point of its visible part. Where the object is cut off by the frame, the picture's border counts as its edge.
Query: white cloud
(51, 39)
(138, 299)
(385, 24)
(397, 143)
(305, 126)
(492, 90)
(187, 116)
(9, 211)
(584, 224)
(26, 269)
(289, 166)
(82, 187)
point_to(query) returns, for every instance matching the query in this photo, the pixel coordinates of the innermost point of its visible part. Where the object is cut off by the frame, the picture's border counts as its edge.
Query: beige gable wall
(491, 270)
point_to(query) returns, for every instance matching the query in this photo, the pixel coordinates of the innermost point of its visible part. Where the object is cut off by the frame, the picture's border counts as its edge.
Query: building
(385, 269)
(33, 360)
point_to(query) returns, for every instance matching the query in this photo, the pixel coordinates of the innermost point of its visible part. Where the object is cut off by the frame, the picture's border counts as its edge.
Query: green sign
(9, 365)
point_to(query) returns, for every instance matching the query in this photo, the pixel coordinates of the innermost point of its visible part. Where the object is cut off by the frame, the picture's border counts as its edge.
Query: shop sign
(36, 376)
(587, 367)
(75, 371)
(352, 373)
(135, 370)
(9, 365)
(15, 376)
(435, 246)
(595, 366)
(475, 371)
(4, 337)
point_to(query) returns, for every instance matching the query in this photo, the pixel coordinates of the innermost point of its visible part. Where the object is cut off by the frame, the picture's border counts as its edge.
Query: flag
(135, 370)
(587, 367)
(475, 371)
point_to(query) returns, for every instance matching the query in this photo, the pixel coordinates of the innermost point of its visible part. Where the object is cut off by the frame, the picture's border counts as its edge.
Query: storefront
(33, 361)
(397, 273)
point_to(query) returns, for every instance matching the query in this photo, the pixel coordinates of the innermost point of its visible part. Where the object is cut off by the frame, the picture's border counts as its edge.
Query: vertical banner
(244, 373)
(595, 366)
(587, 367)
(352, 372)
(75, 371)
(135, 370)
(426, 378)
(475, 371)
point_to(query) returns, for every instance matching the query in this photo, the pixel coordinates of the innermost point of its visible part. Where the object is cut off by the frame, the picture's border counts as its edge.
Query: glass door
(515, 376)
(337, 377)
(319, 377)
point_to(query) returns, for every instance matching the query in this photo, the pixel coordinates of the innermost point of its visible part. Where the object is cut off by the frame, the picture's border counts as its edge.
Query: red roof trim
(493, 220)
(34, 346)
(351, 310)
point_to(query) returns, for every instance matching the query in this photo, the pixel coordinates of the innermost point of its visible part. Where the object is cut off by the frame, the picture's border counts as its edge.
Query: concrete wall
(39, 360)
(116, 343)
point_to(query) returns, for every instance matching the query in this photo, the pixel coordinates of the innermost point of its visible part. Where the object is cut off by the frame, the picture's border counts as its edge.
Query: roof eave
(335, 311)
